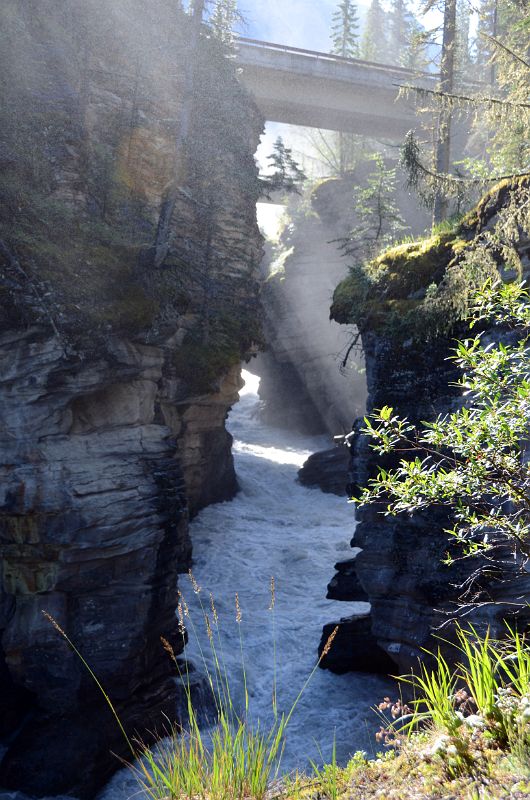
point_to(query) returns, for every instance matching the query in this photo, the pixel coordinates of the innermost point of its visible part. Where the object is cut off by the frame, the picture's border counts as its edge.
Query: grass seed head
(168, 648)
(273, 594)
(238, 610)
(54, 623)
(196, 587)
(208, 628)
(180, 610)
(214, 610)
(327, 646)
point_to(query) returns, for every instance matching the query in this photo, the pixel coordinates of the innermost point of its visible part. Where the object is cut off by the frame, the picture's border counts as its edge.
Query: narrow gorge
(171, 382)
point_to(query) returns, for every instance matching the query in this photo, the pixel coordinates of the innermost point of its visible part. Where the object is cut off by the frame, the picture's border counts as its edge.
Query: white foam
(276, 527)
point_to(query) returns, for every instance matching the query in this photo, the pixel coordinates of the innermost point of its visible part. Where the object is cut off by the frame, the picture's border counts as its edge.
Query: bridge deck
(304, 87)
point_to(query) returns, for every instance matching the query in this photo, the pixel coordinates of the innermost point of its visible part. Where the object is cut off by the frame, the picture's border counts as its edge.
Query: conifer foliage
(378, 219)
(287, 175)
(374, 40)
(223, 19)
(345, 30)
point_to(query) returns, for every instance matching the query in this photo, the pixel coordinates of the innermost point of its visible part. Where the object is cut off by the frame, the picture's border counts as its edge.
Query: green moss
(495, 197)
(420, 289)
(202, 360)
(389, 291)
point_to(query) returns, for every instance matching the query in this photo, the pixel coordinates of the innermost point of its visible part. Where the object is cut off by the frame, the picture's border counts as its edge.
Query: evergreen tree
(462, 43)
(344, 31)
(399, 38)
(406, 39)
(484, 48)
(501, 117)
(287, 175)
(345, 43)
(378, 221)
(223, 19)
(445, 118)
(373, 42)
(416, 56)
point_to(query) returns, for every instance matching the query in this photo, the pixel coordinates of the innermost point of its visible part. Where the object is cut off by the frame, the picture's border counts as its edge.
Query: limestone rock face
(303, 385)
(327, 470)
(399, 562)
(117, 370)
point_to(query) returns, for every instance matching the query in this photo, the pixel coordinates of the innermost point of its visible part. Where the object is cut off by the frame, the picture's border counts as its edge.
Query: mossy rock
(420, 289)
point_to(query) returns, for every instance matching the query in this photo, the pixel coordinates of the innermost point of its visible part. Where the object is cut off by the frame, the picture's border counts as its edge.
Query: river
(276, 527)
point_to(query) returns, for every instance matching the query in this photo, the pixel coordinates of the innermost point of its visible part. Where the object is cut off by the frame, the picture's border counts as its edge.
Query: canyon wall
(304, 383)
(118, 369)
(409, 305)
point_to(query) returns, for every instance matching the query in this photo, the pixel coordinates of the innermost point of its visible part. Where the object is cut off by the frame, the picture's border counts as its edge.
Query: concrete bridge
(304, 87)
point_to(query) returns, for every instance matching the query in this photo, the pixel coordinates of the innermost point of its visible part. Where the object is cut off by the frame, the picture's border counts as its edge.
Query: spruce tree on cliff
(345, 30)
(287, 175)
(374, 39)
(223, 19)
(378, 221)
(345, 43)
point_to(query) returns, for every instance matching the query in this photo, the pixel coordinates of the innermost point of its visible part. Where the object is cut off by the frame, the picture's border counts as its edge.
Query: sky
(299, 23)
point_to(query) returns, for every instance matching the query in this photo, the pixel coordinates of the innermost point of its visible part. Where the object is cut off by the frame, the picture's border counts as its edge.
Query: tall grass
(434, 690)
(484, 697)
(235, 758)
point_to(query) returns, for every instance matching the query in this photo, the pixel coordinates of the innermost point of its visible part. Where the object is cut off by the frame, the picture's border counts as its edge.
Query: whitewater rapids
(276, 527)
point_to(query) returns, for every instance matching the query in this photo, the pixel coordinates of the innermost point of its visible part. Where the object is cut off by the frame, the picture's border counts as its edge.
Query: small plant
(483, 702)
(471, 460)
(236, 758)
(330, 777)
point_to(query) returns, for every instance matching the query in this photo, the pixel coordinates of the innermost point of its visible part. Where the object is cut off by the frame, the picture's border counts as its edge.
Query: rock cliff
(117, 371)
(305, 348)
(408, 305)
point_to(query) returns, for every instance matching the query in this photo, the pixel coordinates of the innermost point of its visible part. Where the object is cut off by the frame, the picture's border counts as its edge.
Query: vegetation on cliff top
(464, 734)
(421, 289)
(85, 158)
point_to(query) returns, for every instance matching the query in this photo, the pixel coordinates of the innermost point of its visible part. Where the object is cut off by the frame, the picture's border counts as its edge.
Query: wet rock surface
(345, 585)
(116, 375)
(399, 565)
(327, 470)
(354, 647)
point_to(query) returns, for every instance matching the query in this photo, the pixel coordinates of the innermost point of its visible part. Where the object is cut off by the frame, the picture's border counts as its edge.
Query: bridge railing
(317, 55)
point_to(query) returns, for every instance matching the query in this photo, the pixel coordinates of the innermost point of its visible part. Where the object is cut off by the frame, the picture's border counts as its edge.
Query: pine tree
(484, 48)
(287, 175)
(501, 116)
(406, 40)
(445, 118)
(378, 221)
(223, 19)
(373, 42)
(345, 43)
(416, 56)
(344, 31)
(399, 38)
(462, 43)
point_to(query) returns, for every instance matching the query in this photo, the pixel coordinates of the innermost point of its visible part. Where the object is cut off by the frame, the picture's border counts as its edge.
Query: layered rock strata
(408, 312)
(117, 368)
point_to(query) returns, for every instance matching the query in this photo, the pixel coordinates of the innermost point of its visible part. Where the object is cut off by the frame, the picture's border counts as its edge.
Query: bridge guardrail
(315, 54)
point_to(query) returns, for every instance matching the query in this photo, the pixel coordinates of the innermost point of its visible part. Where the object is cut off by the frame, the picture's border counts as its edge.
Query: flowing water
(276, 527)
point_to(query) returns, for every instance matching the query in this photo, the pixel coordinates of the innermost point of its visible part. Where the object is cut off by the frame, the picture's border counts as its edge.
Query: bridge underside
(347, 96)
(339, 108)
